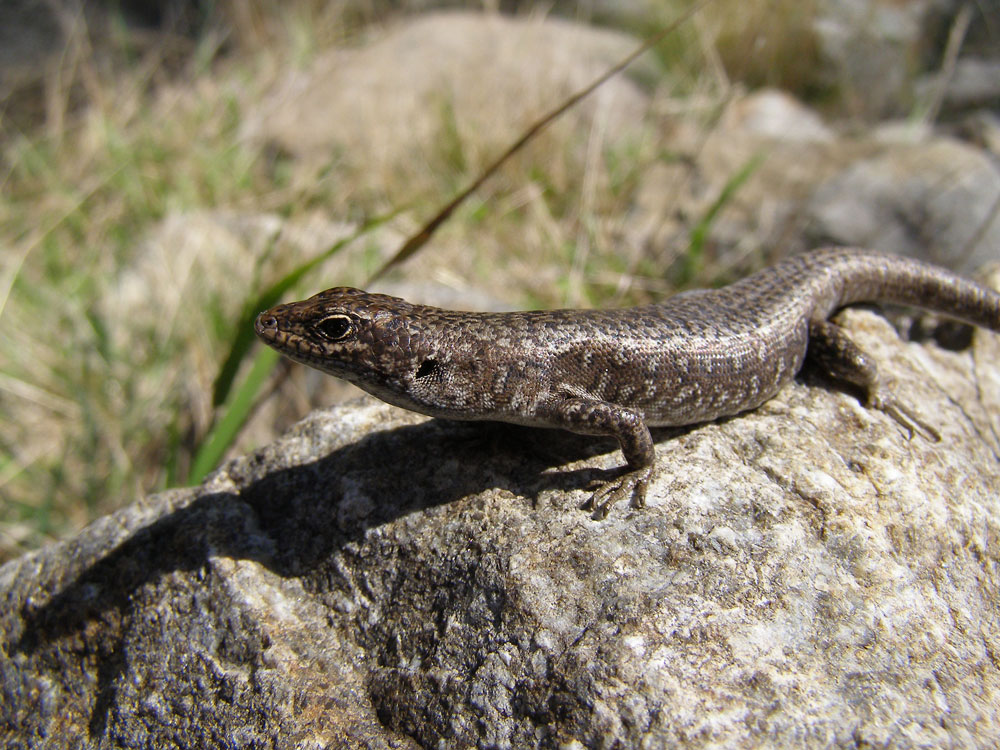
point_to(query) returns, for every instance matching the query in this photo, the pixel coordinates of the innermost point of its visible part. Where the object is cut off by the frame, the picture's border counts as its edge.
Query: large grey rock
(30, 34)
(870, 49)
(899, 189)
(936, 200)
(804, 575)
(975, 82)
(449, 81)
(886, 57)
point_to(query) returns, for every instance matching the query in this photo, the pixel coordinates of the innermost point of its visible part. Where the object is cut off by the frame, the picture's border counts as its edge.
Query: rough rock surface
(803, 575)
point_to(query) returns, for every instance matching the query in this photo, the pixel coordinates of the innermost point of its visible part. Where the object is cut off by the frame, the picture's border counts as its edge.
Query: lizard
(695, 357)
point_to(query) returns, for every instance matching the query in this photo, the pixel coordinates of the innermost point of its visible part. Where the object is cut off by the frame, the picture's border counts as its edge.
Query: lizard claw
(634, 483)
(883, 400)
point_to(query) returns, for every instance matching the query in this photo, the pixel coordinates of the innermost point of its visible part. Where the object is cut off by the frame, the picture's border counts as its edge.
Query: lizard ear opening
(427, 368)
(334, 327)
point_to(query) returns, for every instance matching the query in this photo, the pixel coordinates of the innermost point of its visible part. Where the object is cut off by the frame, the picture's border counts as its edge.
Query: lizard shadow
(554, 448)
(293, 521)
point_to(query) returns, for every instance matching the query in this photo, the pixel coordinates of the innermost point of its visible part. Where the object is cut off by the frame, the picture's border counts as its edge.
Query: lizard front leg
(592, 417)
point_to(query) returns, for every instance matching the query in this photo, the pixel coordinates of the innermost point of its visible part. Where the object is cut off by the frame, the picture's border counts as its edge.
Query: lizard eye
(334, 327)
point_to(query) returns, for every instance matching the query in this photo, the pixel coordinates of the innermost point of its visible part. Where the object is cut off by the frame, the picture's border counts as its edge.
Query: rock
(774, 114)
(981, 128)
(936, 200)
(887, 56)
(447, 77)
(788, 150)
(974, 83)
(869, 48)
(899, 188)
(30, 35)
(803, 575)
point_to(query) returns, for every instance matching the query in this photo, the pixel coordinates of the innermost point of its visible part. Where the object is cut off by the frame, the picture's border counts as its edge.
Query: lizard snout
(266, 324)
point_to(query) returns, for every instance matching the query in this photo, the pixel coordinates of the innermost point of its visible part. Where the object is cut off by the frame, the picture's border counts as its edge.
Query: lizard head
(366, 339)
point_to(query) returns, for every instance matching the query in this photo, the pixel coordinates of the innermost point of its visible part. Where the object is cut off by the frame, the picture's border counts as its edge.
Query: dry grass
(108, 350)
(98, 410)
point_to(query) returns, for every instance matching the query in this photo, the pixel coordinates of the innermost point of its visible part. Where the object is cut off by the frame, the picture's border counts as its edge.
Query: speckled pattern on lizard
(692, 358)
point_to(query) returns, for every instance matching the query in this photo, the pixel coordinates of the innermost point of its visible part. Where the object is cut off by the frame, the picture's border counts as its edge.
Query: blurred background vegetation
(126, 360)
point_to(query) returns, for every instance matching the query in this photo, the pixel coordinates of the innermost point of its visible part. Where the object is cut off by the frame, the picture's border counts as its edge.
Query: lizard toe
(633, 483)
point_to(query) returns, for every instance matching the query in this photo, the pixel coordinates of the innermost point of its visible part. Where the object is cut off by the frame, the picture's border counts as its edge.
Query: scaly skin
(692, 358)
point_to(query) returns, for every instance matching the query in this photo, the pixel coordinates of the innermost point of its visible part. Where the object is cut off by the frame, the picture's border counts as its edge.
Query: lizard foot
(632, 483)
(833, 350)
(882, 399)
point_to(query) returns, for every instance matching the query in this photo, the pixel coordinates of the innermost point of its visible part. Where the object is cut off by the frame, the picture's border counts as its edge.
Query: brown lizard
(692, 358)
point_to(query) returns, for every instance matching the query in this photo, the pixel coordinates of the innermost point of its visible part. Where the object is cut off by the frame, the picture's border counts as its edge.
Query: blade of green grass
(694, 257)
(222, 435)
(240, 403)
(243, 338)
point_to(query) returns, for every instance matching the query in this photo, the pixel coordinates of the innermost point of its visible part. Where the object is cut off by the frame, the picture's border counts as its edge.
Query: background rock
(899, 188)
(803, 574)
(936, 200)
(442, 77)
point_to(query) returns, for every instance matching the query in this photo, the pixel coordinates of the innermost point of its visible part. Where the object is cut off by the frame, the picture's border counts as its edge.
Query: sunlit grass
(117, 328)
(98, 409)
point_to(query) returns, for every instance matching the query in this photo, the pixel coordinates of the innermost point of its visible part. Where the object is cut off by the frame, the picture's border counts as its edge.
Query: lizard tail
(868, 276)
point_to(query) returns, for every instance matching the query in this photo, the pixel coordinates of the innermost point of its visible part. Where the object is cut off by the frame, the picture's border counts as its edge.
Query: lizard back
(694, 357)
